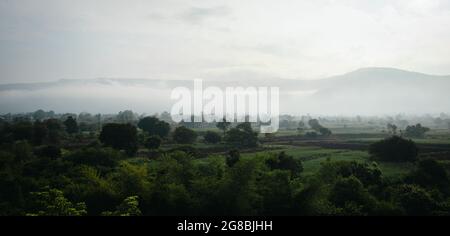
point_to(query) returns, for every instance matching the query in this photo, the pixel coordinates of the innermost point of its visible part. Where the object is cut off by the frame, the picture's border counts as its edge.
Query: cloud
(53, 39)
(197, 15)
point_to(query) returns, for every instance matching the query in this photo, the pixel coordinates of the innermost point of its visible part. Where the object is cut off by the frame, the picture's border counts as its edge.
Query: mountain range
(367, 91)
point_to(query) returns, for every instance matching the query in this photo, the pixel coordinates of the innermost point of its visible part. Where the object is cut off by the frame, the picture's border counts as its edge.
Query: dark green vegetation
(128, 165)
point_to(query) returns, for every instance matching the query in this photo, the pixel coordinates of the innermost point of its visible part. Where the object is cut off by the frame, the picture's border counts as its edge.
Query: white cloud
(52, 39)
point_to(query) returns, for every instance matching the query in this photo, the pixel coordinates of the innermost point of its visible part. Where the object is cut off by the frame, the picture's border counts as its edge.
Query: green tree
(367, 174)
(325, 131)
(71, 125)
(350, 195)
(430, 174)
(39, 115)
(129, 207)
(275, 190)
(54, 130)
(40, 132)
(120, 136)
(184, 135)
(126, 117)
(282, 161)
(416, 131)
(91, 186)
(392, 129)
(414, 200)
(314, 124)
(51, 202)
(301, 127)
(243, 135)
(154, 126)
(394, 149)
(223, 125)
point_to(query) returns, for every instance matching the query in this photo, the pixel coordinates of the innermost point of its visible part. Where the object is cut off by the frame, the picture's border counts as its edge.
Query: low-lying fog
(370, 91)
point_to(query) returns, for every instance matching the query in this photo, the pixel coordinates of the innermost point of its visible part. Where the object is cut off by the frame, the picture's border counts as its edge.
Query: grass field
(313, 152)
(312, 157)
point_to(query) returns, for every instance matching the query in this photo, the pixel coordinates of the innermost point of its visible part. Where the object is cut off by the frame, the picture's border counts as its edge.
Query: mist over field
(367, 91)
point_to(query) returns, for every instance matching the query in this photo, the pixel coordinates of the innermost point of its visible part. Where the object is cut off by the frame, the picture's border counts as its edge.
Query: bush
(394, 149)
(212, 137)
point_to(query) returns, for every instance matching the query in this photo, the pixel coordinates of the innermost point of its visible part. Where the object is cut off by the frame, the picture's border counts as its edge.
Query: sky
(47, 40)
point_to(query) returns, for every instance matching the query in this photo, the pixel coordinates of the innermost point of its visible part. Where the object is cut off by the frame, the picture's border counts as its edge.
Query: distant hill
(385, 90)
(364, 91)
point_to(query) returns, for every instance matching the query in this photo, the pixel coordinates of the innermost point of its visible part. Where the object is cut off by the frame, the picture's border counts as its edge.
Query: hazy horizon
(370, 91)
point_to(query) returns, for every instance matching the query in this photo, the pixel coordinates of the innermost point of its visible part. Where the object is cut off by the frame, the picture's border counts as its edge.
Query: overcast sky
(47, 40)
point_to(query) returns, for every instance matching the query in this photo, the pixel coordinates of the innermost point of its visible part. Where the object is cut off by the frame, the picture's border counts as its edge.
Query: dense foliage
(44, 170)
